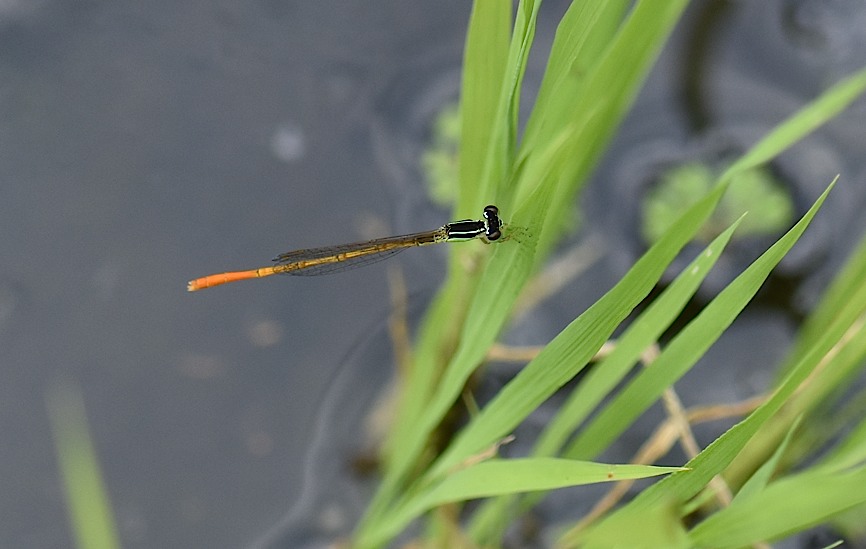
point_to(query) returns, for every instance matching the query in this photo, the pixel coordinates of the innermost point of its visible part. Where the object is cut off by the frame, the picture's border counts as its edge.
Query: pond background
(144, 144)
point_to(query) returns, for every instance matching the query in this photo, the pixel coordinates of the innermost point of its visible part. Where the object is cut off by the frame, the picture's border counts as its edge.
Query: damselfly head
(492, 223)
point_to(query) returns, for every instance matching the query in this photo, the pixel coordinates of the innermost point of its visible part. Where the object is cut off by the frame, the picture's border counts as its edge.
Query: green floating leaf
(439, 161)
(750, 190)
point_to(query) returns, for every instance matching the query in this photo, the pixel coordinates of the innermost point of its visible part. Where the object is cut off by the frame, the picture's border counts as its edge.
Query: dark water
(142, 144)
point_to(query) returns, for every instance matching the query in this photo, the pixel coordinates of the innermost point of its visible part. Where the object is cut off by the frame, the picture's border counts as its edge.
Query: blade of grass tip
(86, 497)
(719, 454)
(499, 476)
(608, 373)
(818, 112)
(643, 332)
(508, 476)
(685, 349)
(787, 506)
(566, 355)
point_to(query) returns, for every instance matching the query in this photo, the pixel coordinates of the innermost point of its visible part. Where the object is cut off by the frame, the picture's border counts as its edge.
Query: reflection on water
(335, 492)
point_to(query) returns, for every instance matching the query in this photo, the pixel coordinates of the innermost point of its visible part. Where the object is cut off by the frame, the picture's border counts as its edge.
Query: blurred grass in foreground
(87, 501)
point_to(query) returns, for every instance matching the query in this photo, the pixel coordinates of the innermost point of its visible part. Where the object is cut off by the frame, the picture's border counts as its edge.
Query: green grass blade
(484, 64)
(609, 372)
(507, 476)
(851, 452)
(818, 112)
(510, 265)
(787, 506)
(721, 452)
(566, 355)
(838, 297)
(86, 497)
(684, 350)
(500, 148)
(596, 105)
(635, 340)
(494, 132)
(585, 31)
(758, 481)
(657, 527)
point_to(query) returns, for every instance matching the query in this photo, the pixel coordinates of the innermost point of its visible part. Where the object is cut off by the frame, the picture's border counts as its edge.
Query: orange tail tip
(224, 278)
(195, 285)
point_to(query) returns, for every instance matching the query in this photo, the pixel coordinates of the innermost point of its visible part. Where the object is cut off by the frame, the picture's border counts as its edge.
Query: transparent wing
(342, 266)
(343, 257)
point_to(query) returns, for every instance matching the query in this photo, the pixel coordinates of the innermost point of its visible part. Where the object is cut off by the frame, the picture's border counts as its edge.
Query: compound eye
(490, 211)
(494, 235)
